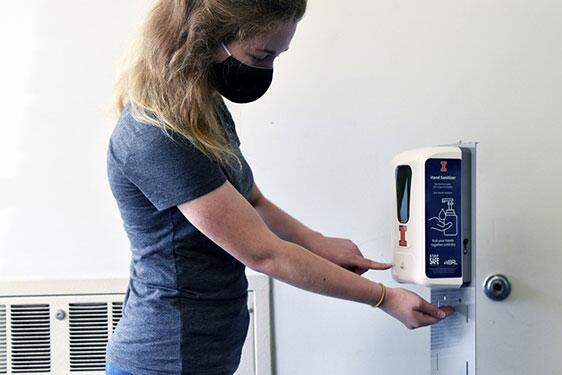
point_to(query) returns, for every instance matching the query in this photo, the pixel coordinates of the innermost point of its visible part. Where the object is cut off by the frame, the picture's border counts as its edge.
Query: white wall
(363, 80)
(59, 61)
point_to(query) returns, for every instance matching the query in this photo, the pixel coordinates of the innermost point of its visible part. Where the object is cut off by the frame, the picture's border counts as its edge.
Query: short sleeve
(169, 170)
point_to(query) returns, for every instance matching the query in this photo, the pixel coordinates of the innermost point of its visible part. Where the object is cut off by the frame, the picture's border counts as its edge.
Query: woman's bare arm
(281, 223)
(230, 221)
(343, 252)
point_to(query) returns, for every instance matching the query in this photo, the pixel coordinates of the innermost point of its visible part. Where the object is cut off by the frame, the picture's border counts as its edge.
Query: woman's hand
(342, 252)
(412, 310)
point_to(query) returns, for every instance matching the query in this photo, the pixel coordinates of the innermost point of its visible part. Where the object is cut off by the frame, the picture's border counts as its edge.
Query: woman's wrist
(307, 237)
(382, 294)
(375, 292)
(388, 299)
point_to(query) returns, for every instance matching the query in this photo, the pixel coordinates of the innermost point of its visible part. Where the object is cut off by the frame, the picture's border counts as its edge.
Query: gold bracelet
(383, 294)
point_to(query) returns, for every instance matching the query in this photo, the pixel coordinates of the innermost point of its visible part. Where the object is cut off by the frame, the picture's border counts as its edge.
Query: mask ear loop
(226, 49)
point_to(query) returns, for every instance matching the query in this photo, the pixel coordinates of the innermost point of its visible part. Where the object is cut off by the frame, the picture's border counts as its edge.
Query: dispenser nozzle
(449, 201)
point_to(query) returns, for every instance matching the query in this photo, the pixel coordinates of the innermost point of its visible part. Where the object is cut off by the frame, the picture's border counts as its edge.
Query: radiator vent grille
(30, 338)
(116, 313)
(89, 331)
(3, 341)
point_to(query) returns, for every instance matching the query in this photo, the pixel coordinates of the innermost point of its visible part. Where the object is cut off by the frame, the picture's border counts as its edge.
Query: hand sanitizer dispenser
(432, 216)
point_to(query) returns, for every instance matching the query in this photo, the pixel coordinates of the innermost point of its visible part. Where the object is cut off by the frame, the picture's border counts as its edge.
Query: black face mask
(241, 83)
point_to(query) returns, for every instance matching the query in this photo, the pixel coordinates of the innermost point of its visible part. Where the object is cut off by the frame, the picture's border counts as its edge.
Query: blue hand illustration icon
(439, 225)
(446, 222)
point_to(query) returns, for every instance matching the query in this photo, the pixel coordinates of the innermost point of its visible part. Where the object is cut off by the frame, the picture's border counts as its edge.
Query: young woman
(190, 206)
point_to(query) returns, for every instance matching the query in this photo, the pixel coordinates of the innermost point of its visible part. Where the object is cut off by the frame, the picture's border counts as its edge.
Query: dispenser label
(443, 242)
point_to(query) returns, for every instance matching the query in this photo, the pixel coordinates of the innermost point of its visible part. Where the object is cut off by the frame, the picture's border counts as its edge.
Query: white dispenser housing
(432, 215)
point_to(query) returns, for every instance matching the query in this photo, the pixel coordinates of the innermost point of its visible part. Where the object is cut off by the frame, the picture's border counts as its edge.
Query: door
(519, 225)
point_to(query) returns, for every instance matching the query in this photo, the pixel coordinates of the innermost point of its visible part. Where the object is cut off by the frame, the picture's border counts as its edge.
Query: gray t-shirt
(185, 307)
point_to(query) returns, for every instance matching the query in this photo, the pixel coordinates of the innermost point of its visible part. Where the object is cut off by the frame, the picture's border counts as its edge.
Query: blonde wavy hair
(167, 74)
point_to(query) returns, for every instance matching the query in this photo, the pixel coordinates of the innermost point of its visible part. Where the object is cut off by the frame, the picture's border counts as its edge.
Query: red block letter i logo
(402, 242)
